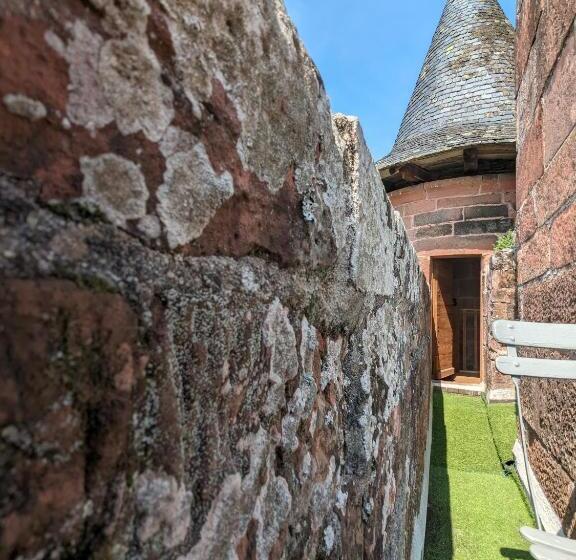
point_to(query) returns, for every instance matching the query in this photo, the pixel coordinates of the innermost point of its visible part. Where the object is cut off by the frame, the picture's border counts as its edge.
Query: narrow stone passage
(475, 509)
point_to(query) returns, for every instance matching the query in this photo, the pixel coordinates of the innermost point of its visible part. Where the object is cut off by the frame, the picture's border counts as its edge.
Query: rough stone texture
(499, 303)
(465, 92)
(215, 333)
(467, 212)
(546, 227)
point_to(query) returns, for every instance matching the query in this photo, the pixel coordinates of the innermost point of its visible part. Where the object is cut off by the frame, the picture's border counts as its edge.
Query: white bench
(544, 546)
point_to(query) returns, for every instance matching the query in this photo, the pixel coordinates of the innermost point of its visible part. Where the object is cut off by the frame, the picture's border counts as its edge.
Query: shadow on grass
(515, 554)
(439, 545)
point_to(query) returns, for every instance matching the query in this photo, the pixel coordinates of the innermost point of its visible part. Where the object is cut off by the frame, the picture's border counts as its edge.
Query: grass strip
(474, 510)
(503, 422)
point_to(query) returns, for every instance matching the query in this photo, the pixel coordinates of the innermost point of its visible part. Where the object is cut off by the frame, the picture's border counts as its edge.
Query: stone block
(506, 182)
(531, 87)
(526, 223)
(438, 217)
(550, 405)
(498, 183)
(558, 484)
(74, 365)
(559, 101)
(534, 257)
(418, 207)
(556, 21)
(528, 17)
(434, 231)
(406, 195)
(530, 163)
(486, 211)
(510, 198)
(462, 201)
(460, 186)
(474, 227)
(550, 301)
(563, 238)
(456, 243)
(558, 183)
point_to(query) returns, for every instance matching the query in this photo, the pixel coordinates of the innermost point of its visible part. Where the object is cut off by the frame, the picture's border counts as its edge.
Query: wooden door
(444, 319)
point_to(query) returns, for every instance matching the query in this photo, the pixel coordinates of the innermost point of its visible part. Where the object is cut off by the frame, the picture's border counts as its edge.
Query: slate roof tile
(465, 93)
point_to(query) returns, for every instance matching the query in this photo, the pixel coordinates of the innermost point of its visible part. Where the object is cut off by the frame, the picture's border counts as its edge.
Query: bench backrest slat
(543, 552)
(532, 367)
(537, 335)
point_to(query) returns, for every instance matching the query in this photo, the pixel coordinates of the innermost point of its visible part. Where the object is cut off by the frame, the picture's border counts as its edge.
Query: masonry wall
(546, 229)
(215, 333)
(499, 303)
(457, 214)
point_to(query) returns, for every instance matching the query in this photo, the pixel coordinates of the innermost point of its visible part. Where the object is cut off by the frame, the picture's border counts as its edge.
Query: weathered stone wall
(499, 303)
(215, 334)
(546, 229)
(461, 214)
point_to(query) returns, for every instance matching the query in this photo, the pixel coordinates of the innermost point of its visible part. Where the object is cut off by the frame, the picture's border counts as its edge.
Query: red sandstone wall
(461, 213)
(546, 228)
(499, 303)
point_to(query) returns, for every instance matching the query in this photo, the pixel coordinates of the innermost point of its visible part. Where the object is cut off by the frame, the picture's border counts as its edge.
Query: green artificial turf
(474, 509)
(503, 422)
(504, 427)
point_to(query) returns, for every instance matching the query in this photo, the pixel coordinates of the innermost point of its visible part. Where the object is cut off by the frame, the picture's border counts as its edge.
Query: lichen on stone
(150, 226)
(191, 194)
(116, 186)
(164, 507)
(131, 78)
(279, 338)
(23, 106)
(126, 16)
(87, 105)
(222, 525)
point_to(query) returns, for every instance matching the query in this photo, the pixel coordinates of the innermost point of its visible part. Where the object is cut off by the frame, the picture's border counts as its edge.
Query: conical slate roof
(465, 92)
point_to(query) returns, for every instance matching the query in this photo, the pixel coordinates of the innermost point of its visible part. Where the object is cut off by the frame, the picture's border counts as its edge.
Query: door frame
(426, 263)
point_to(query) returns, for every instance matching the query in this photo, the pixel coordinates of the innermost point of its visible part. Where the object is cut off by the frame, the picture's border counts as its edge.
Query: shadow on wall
(439, 545)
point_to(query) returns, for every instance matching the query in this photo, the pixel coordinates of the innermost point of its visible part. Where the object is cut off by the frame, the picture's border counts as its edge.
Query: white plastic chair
(545, 546)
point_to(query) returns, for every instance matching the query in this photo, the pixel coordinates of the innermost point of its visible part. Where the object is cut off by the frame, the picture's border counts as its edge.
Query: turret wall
(465, 214)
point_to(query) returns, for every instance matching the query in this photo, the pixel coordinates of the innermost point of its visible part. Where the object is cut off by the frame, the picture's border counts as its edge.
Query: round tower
(451, 172)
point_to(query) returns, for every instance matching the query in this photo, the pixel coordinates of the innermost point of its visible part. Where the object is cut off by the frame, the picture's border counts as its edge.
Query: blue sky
(369, 53)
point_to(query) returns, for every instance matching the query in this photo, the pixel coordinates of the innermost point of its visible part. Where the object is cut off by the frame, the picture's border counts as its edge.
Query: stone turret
(451, 174)
(462, 108)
